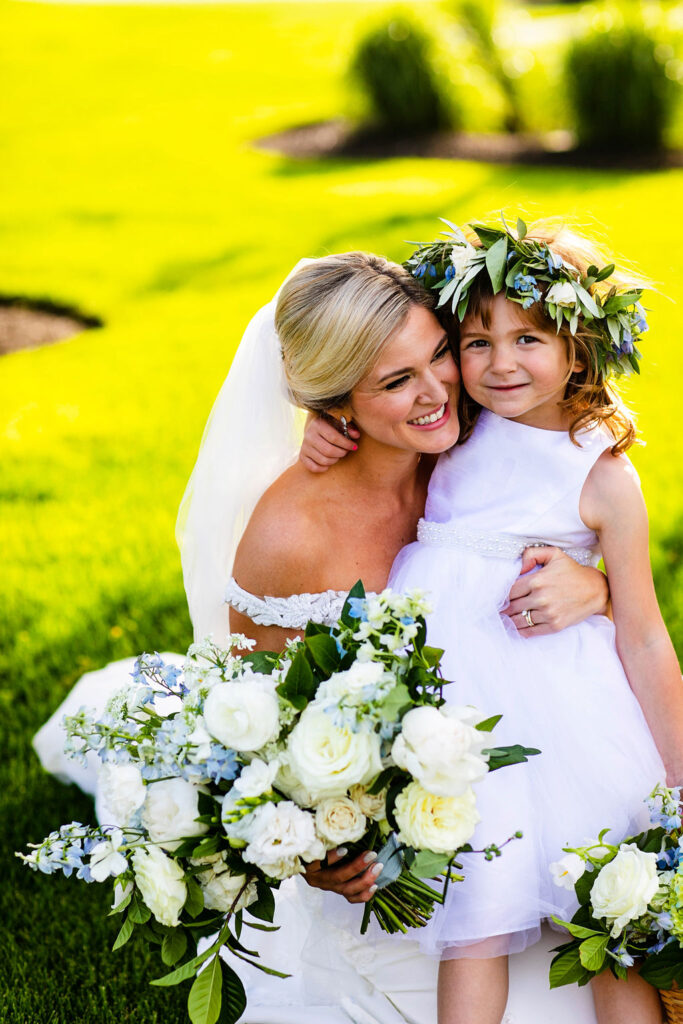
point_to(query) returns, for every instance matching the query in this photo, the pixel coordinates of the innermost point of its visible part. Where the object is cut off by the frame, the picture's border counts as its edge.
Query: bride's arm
(562, 593)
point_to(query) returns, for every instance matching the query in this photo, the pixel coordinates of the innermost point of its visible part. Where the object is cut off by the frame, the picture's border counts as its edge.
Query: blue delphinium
(526, 287)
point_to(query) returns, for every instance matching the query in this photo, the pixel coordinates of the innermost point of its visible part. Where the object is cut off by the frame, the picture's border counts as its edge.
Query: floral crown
(530, 272)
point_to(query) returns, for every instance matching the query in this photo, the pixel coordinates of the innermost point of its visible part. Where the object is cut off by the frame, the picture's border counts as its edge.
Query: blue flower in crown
(554, 261)
(526, 286)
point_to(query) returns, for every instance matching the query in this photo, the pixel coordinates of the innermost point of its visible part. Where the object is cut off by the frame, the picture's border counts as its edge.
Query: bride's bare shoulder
(283, 540)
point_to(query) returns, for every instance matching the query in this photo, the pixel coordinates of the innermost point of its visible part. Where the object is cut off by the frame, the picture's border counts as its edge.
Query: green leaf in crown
(530, 272)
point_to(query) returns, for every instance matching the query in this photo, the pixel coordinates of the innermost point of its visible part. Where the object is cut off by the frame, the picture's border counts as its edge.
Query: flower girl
(540, 328)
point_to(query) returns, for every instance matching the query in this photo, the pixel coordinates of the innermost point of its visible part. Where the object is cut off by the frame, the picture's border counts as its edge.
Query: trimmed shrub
(406, 95)
(618, 88)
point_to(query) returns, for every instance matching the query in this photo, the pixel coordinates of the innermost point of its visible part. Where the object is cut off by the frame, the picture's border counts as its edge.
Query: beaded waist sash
(493, 545)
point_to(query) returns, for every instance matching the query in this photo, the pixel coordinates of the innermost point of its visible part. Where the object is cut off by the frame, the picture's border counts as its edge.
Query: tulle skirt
(566, 694)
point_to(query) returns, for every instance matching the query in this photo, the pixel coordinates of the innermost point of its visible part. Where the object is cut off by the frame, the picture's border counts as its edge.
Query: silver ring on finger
(527, 616)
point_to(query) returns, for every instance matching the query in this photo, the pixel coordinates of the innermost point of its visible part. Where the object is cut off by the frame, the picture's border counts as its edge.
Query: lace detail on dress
(287, 612)
(495, 545)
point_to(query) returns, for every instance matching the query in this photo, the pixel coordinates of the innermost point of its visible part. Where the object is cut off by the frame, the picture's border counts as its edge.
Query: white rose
(221, 888)
(358, 684)
(160, 880)
(170, 811)
(624, 887)
(437, 823)
(568, 870)
(561, 294)
(256, 778)
(339, 820)
(373, 806)
(288, 783)
(327, 759)
(243, 716)
(280, 832)
(461, 257)
(122, 790)
(441, 749)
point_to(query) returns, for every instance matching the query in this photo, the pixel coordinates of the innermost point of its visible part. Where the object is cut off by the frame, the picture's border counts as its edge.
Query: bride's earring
(345, 426)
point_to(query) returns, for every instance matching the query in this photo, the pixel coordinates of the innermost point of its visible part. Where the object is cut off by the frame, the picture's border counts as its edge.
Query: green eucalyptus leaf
(503, 756)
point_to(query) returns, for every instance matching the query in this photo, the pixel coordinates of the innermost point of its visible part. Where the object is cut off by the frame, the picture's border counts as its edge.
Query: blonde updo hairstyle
(334, 317)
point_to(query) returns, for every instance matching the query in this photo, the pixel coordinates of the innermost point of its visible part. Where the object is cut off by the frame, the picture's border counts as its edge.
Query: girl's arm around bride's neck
(612, 504)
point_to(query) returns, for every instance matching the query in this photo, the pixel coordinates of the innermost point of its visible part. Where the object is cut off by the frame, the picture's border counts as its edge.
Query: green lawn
(130, 188)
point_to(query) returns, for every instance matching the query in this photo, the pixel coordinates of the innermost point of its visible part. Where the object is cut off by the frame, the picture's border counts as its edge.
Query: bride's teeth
(430, 419)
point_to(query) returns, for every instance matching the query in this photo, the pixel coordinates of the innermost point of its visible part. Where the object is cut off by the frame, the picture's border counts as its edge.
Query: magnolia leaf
(593, 951)
(125, 933)
(235, 1001)
(566, 968)
(392, 705)
(138, 912)
(194, 902)
(496, 263)
(261, 661)
(577, 930)
(489, 723)
(186, 970)
(173, 946)
(204, 1001)
(324, 652)
(428, 864)
(299, 685)
(264, 907)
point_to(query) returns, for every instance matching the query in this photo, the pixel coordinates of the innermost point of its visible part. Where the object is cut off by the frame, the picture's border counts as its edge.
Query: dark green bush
(406, 95)
(619, 91)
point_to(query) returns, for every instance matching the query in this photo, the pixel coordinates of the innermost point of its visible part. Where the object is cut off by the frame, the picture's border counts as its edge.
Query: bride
(350, 326)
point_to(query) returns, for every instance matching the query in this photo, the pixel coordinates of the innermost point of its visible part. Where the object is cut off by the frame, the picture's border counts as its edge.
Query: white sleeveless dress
(511, 485)
(338, 977)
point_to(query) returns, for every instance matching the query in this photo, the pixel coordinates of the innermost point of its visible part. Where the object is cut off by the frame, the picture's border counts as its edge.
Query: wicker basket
(673, 1004)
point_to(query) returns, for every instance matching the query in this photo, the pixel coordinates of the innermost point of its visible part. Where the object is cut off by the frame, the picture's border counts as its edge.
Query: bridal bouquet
(230, 774)
(631, 902)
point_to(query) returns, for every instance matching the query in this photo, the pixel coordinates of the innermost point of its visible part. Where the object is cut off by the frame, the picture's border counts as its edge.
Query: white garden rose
(256, 778)
(339, 820)
(122, 790)
(160, 880)
(357, 685)
(437, 823)
(282, 832)
(170, 811)
(461, 257)
(221, 888)
(568, 870)
(243, 715)
(374, 806)
(327, 759)
(441, 748)
(290, 785)
(561, 294)
(624, 887)
(201, 740)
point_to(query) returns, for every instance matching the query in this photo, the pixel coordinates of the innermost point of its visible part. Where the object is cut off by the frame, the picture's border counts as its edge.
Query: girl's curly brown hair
(589, 398)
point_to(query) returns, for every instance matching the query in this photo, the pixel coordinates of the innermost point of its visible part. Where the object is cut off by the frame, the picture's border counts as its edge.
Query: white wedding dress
(338, 977)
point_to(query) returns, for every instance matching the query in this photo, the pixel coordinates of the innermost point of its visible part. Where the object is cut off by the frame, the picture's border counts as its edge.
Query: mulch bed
(337, 138)
(24, 324)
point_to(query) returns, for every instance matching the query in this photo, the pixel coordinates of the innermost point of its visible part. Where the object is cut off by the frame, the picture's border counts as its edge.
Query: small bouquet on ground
(631, 904)
(231, 774)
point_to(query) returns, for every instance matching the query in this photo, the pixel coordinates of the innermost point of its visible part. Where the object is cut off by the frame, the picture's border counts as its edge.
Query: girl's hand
(354, 880)
(562, 593)
(324, 443)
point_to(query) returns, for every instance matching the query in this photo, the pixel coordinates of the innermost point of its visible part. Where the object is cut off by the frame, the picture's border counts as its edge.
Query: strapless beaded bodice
(291, 612)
